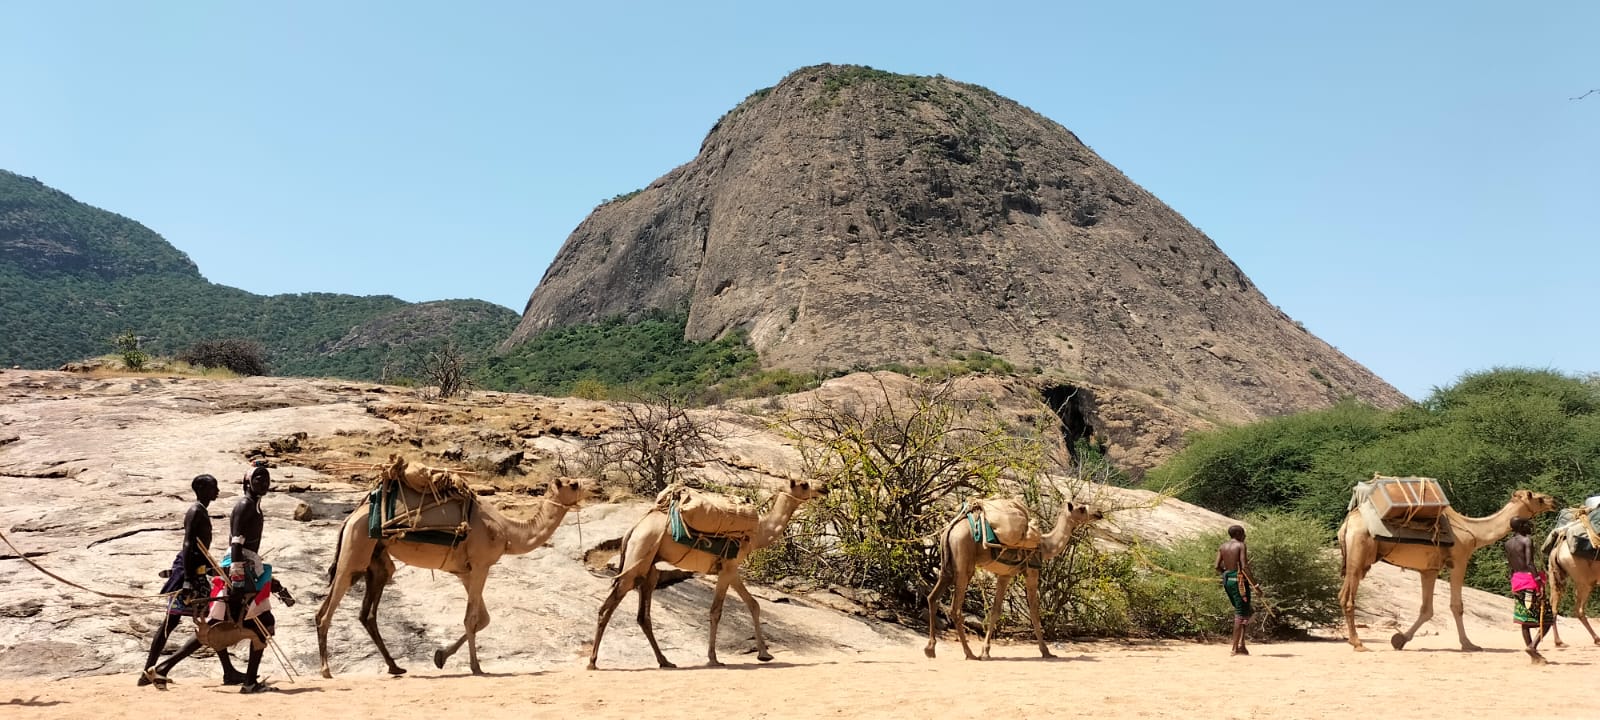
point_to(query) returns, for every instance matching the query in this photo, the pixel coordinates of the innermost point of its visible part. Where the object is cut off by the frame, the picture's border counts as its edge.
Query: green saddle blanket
(718, 545)
(982, 531)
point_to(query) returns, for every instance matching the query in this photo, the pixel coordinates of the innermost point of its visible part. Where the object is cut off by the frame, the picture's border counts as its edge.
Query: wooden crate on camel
(1404, 509)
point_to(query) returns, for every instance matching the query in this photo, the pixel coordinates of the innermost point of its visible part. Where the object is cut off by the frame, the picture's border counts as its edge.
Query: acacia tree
(446, 368)
(657, 439)
(895, 464)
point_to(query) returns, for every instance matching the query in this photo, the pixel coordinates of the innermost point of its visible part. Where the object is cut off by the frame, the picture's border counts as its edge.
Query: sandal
(151, 677)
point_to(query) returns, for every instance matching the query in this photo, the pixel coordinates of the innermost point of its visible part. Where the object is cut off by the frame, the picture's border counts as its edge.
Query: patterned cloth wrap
(260, 603)
(1532, 609)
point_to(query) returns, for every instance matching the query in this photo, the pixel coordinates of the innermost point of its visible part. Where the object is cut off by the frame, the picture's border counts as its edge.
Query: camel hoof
(591, 666)
(477, 670)
(1046, 653)
(928, 651)
(1399, 640)
(327, 674)
(438, 658)
(668, 665)
(396, 670)
(1360, 648)
(1469, 647)
(764, 656)
(714, 663)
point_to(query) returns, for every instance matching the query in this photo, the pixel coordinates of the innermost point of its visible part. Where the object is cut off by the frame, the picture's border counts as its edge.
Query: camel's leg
(1347, 604)
(647, 591)
(477, 618)
(1458, 579)
(619, 589)
(991, 619)
(379, 573)
(1425, 614)
(1032, 580)
(355, 552)
(1581, 597)
(1557, 580)
(724, 579)
(755, 618)
(957, 601)
(947, 576)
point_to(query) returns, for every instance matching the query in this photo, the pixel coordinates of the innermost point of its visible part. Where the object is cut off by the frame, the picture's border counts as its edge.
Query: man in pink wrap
(1532, 609)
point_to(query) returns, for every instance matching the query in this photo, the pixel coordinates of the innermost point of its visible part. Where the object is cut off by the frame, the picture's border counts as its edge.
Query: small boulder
(302, 512)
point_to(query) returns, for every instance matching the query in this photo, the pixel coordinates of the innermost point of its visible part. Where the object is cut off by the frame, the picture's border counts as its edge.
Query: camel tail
(622, 553)
(1344, 552)
(338, 547)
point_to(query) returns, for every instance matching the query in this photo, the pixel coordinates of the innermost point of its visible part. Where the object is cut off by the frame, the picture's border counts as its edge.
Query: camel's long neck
(1485, 530)
(775, 520)
(525, 537)
(1055, 541)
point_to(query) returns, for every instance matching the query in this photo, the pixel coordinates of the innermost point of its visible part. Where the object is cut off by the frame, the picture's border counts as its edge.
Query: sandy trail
(1102, 679)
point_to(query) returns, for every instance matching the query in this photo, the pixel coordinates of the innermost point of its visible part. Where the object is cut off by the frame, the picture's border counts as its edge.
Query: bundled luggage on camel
(1004, 522)
(1579, 527)
(419, 503)
(708, 521)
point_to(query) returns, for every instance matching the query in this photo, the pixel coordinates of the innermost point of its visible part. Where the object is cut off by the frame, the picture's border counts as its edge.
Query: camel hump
(710, 513)
(1010, 520)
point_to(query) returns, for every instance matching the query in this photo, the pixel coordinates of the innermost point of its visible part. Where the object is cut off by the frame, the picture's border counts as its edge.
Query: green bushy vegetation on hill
(618, 357)
(73, 277)
(43, 229)
(1489, 434)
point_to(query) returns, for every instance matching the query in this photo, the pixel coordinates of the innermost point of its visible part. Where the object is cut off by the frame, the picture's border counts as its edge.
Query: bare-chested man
(190, 580)
(1532, 609)
(1233, 562)
(246, 570)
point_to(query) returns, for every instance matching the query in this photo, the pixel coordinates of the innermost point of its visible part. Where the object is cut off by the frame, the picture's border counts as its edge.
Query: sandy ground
(1103, 679)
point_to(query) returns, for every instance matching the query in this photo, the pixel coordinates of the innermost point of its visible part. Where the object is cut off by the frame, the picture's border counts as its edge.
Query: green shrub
(127, 345)
(1293, 562)
(243, 357)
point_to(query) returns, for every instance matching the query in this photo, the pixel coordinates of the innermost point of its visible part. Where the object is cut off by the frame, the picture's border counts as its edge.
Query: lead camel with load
(1454, 538)
(405, 520)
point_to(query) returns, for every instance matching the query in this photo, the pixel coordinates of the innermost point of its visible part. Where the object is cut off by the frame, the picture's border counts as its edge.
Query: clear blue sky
(1410, 180)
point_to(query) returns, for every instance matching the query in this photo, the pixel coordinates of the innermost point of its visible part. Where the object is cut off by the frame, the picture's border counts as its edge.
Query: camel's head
(1534, 502)
(565, 490)
(1084, 513)
(804, 489)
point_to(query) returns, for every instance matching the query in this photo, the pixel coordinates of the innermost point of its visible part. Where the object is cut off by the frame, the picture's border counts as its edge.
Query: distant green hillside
(74, 276)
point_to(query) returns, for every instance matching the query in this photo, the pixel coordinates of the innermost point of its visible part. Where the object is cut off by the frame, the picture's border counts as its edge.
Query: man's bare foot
(1536, 657)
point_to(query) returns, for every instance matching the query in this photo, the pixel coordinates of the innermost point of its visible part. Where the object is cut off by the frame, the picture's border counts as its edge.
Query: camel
(490, 536)
(1358, 550)
(960, 554)
(650, 541)
(1584, 574)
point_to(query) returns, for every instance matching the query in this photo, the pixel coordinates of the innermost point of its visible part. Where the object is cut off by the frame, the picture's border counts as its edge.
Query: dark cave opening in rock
(1073, 406)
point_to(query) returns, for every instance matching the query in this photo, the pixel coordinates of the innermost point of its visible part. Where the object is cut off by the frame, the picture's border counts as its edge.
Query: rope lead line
(24, 557)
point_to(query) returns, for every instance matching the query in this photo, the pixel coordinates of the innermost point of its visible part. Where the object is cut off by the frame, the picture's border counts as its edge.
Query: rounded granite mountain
(852, 217)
